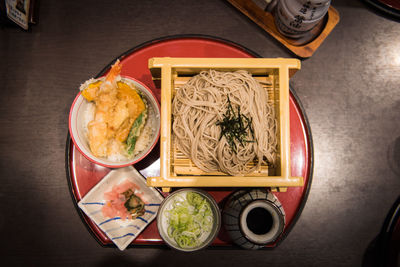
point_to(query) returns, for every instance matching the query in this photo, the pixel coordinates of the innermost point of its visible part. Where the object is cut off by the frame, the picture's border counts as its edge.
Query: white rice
(143, 140)
(88, 116)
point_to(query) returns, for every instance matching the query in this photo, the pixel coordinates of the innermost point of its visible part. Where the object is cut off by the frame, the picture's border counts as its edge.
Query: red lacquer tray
(83, 175)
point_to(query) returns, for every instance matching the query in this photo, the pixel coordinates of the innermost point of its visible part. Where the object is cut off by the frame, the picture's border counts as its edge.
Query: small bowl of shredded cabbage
(189, 219)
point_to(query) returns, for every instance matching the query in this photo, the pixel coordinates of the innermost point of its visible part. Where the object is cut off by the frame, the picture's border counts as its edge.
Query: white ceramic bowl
(78, 130)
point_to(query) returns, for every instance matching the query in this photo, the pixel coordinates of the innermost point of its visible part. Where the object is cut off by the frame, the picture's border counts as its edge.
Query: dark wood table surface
(350, 90)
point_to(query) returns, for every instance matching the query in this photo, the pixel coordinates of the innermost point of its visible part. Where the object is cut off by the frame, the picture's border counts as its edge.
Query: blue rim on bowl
(162, 220)
(77, 132)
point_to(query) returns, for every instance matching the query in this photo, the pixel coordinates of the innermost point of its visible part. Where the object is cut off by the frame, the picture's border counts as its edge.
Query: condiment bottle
(296, 18)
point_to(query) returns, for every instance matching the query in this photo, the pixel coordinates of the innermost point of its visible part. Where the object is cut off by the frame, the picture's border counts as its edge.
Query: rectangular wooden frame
(168, 70)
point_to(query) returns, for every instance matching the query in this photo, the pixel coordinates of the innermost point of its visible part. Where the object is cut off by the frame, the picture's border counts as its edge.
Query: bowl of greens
(189, 219)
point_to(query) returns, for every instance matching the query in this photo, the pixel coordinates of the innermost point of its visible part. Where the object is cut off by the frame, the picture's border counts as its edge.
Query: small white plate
(122, 233)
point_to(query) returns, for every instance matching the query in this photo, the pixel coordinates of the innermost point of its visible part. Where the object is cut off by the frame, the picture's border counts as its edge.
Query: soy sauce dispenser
(296, 18)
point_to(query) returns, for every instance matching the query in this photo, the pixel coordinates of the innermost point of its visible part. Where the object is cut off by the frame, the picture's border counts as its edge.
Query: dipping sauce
(259, 221)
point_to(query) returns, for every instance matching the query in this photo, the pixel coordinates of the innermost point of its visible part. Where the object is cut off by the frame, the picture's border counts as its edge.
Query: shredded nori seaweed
(236, 127)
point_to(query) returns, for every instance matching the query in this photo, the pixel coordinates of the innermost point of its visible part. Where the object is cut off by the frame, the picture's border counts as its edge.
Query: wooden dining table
(348, 92)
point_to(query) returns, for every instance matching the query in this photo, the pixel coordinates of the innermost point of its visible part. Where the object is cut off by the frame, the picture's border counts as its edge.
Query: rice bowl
(82, 112)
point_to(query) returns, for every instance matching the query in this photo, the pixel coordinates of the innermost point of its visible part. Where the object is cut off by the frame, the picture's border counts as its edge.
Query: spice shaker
(296, 18)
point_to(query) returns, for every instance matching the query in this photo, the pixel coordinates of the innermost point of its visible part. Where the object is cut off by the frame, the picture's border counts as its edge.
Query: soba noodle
(201, 104)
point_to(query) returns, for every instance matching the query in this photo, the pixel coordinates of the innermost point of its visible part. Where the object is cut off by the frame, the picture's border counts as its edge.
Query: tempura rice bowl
(82, 113)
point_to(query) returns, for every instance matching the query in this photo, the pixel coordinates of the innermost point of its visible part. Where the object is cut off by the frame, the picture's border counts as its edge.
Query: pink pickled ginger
(115, 200)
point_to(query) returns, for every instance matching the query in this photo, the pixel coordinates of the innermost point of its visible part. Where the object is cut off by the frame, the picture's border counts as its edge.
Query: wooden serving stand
(176, 170)
(303, 47)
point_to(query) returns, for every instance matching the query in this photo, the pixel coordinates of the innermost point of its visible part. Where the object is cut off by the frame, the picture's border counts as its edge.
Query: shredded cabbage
(189, 219)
